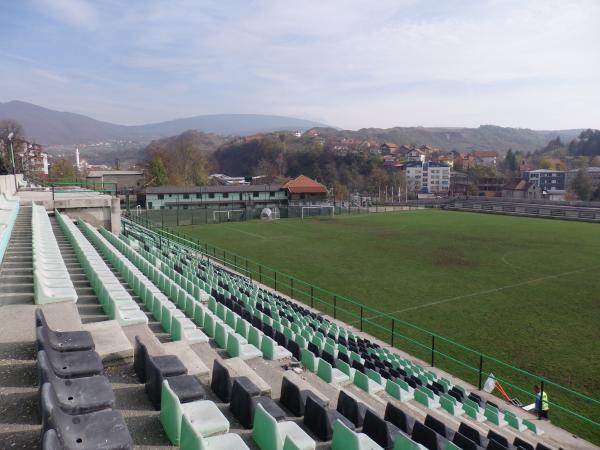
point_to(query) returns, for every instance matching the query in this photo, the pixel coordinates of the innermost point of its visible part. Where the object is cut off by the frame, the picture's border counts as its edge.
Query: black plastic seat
(139, 359)
(280, 338)
(314, 349)
(492, 435)
(424, 435)
(495, 445)
(187, 388)
(358, 366)
(320, 420)
(76, 395)
(440, 387)
(61, 341)
(268, 330)
(381, 431)
(159, 368)
(242, 392)
(220, 382)
(476, 398)
(104, 430)
(464, 442)
(343, 357)
(351, 409)
(74, 364)
(541, 446)
(328, 357)
(399, 418)
(470, 433)
(294, 399)
(456, 394)
(50, 441)
(520, 443)
(294, 348)
(438, 426)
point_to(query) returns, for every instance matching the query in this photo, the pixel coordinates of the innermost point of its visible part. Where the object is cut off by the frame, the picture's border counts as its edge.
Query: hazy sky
(349, 63)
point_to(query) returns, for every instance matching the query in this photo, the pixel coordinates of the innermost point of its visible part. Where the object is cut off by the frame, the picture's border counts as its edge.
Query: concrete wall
(7, 183)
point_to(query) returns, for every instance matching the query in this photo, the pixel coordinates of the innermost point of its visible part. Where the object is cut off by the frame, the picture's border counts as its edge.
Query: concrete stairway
(16, 273)
(154, 326)
(88, 305)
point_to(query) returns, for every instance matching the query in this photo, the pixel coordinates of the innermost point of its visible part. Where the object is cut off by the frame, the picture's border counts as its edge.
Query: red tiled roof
(390, 145)
(517, 185)
(486, 153)
(304, 185)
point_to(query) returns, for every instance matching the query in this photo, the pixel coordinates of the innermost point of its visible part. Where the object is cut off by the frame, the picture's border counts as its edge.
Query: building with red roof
(304, 188)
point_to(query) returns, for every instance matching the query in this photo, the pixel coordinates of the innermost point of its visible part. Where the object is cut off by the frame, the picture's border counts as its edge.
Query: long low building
(302, 190)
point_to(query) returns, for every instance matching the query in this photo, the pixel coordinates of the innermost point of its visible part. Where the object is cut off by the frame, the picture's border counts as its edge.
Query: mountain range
(50, 127)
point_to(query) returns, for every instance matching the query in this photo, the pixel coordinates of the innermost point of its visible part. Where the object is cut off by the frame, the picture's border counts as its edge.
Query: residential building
(459, 183)
(486, 158)
(490, 186)
(593, 172)
(547, 180)
(521, 189)
(388, 149)
(226, 180)
(415, 155)
(30, 159)
(427, 177)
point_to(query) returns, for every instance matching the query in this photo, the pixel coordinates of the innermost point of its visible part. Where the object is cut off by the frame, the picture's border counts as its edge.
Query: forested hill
(484, 137)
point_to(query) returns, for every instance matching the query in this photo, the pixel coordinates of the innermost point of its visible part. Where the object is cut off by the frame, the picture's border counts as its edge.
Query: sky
(347, 63)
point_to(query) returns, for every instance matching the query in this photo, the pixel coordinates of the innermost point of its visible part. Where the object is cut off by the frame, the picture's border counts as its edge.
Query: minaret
(77, 158)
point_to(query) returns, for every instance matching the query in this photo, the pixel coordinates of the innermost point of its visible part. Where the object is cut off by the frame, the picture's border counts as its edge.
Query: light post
(12, 158)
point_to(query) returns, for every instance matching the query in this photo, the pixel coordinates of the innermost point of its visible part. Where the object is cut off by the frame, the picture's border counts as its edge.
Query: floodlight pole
(12, 158)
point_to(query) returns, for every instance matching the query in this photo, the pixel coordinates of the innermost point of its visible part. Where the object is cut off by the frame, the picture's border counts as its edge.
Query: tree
(341, 191)
(510, 161)
(62, 169)
(582, 185)
(157, 172)
(11, 126)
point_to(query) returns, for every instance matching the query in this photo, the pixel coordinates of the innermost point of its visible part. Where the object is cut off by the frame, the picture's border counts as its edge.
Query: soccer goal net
(315, 211)
(228, 215)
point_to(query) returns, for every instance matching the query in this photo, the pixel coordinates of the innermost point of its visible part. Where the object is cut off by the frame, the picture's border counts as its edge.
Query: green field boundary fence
(61, 185)
(572, 410)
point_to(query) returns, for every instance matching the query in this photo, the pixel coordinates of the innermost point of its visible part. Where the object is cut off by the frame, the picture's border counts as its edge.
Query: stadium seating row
(51, 280)
(115, 300)
(76, 400)
(9, 208)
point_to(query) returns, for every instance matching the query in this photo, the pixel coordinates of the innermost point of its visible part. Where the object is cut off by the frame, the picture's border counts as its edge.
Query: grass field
(526, 291)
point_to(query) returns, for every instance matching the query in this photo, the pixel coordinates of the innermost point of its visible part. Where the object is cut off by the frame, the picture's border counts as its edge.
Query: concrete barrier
(7, 183)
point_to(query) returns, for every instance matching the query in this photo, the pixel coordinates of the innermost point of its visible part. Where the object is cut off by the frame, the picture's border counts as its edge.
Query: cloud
(77, 13)
(346, 62)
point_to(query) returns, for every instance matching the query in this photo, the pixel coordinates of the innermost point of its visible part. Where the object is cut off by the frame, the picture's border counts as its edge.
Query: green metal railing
(571, 409)
(61, 185)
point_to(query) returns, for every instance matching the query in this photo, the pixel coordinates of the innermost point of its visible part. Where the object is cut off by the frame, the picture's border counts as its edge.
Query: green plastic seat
(272, 351)
(192, 440)
(268, 434)
(330, 374)
(309, 360)
(204, 416)
(346, 439)
(365, 383)
(403, 442)
(221, 334)
(532, 427)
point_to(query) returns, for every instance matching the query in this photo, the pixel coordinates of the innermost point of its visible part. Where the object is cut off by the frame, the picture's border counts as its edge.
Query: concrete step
(8, 287)
(16, 279)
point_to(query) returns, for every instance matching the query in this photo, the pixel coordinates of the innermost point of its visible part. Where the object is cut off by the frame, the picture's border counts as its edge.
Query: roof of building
(416, 150)
(485, 153)
(213, 189)
(305, 185)
(390, 145)
(518, 185)
(101, 173)
(545, 171)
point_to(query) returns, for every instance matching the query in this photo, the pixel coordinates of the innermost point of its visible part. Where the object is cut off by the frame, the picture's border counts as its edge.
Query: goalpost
(228, 212)
(330, 207)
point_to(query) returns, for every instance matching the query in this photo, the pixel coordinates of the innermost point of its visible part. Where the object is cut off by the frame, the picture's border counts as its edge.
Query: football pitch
(526, 291)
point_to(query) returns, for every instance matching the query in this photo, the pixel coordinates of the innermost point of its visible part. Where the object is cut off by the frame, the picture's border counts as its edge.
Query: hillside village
(382, 171)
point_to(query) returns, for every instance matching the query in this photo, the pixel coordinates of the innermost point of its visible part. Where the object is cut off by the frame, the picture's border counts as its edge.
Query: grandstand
(138, 341)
